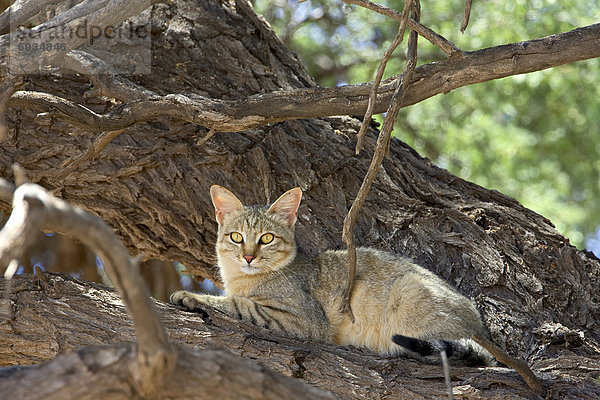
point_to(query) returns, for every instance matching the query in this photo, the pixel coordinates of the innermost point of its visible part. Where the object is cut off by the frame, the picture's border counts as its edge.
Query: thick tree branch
(69, 307)
(34, 209)
(105, 78)
(463, 69)
(22, 11)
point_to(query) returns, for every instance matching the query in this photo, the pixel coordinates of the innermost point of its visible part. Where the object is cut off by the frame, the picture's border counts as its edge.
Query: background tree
(533, 137)
(225, 103)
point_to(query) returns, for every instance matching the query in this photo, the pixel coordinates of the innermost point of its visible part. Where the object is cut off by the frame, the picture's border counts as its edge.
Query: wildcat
(399, 307)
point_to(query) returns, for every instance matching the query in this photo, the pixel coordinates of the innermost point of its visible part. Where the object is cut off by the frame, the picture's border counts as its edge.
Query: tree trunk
(538, 295)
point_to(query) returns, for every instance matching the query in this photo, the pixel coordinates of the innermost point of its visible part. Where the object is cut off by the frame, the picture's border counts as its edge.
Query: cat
(400, 308)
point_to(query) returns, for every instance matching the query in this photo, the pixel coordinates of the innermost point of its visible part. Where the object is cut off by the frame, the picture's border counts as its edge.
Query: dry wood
(538, 295)
(34, 209)
(96, 147)
(21, 11)
(252, 111)
(381, 149)
(360, 136)
(523, 369)
(436, 39)
(61, 314)
(106, 80)
(466, 16)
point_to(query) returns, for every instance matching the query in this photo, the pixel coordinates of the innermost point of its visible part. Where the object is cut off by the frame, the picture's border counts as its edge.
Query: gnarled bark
(538, 294)
(56, 313)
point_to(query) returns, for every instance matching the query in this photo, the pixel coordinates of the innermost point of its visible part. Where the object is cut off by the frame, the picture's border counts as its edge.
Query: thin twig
(379, 76)
(466, 16)
(435, 38)
(210, 134)
(447, 379)
(383, 141)
(522, 369)
(34, 209)
(99, 143)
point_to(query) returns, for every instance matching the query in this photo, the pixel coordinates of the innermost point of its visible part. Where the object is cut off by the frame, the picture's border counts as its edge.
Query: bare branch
(33, 209)
(100, 13)
(465, 21)
(380, 70)
(523, 369)
(22, 11)
(103, 76)
(379, 153)
(428, 80)
(436, 39)
(96, 147)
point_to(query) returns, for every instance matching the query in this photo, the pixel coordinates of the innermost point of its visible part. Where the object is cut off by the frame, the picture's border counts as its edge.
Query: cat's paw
(185, 299)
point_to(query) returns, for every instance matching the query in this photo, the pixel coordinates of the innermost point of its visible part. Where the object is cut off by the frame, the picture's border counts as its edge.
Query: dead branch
(466, 16)
(95, 13)
(96, 147)
(22, 11)
(379, 76)
(428, 80)
(347, 372)
(379, 153)
(103, 76)
(523, 369)
(34, 209)
(436, 39)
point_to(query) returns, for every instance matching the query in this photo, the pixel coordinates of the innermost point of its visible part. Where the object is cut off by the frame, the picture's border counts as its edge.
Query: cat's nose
(249, 259)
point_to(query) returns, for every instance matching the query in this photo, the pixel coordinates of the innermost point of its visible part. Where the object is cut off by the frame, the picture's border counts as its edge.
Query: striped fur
(267, 284)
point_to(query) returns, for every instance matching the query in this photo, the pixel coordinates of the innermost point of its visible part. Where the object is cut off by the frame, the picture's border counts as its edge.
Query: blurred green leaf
(534, 137)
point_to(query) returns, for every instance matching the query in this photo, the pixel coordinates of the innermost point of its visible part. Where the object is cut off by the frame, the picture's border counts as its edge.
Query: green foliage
(533, 137)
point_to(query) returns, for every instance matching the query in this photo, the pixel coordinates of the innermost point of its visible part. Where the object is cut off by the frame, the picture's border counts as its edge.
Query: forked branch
(261, 109)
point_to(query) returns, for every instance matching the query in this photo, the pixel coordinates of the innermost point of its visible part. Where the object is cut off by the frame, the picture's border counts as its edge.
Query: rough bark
(538, 295)
(57, 313)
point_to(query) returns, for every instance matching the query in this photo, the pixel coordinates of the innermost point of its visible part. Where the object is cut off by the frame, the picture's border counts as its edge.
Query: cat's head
(254, 240)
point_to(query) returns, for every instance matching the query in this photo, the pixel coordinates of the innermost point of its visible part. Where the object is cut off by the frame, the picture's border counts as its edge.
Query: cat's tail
(462, 352)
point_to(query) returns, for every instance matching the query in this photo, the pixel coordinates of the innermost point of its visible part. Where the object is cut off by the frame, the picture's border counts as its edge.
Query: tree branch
(375, 87)
(22, 11)
(436, 39)
(103, 76)
(379, 153)
(34, 209)
(463, 69)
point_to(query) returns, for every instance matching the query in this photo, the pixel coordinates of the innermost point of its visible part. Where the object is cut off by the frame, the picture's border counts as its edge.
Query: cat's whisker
(301, 295)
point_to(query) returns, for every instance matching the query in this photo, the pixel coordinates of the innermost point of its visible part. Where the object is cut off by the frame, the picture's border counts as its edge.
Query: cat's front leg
(271, 314)
(194, 302)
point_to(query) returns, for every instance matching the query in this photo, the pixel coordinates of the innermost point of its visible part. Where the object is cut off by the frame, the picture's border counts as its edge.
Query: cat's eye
(236, 237)
(266, 238)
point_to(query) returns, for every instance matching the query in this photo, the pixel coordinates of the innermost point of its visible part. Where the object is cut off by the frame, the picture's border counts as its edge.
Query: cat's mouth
(249, 269)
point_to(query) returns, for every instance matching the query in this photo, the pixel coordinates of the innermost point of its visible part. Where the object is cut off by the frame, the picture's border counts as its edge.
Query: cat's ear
(286, 206)
(224, 201)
